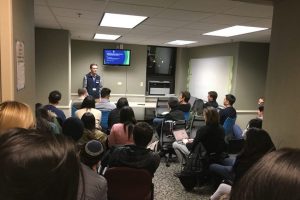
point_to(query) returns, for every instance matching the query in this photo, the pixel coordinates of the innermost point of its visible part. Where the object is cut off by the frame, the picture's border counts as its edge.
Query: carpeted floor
(168, 187)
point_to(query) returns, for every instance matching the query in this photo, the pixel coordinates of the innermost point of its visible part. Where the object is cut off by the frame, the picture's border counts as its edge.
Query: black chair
(167, 138)
(196, 123)
(129, 184)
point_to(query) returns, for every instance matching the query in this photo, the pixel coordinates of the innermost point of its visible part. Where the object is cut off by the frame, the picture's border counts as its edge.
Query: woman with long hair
(257, 144)
(88, 105)
(90, 131)
(15, 114)
(121, 133)
(211, 135)
(276, 176)
(38, 166)
(114, 115)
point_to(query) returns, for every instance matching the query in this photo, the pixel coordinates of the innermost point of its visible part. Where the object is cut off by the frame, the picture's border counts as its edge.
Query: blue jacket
(91, 82)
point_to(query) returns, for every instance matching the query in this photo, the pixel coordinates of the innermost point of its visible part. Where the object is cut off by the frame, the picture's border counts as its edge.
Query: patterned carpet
(168, 187)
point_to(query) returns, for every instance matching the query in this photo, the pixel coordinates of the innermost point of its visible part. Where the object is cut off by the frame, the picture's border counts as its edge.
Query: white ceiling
(168, 19)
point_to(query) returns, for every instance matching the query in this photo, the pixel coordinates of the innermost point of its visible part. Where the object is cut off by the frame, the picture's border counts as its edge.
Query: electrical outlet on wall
(119, 83)
(142, 84)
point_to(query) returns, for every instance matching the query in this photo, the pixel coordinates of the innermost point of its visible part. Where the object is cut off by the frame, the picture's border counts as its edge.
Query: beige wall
(52, 50)
(23, 28)
(282, 111)
(249, 70)
(17, 23)
(181, 73)
(7, 73)
(84, 53)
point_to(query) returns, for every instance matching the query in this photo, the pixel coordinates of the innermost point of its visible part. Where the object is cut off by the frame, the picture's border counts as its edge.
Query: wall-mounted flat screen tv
(119, 57)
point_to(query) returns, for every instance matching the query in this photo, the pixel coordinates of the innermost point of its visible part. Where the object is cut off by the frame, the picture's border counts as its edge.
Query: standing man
(92, 82)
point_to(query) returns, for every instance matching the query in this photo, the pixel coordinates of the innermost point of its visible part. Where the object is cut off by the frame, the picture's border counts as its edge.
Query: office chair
(167, 137)
(104, 120)
(228, 127)
(75, 106)
(126, 183)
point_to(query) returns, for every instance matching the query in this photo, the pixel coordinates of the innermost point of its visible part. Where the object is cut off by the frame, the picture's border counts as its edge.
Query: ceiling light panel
(99, 36)
(121, 21)
(235, 30)
(181, 42)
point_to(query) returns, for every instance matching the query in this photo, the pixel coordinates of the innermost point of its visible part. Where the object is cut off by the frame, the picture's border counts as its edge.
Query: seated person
(257, 144)
(82, 93)
(211, 136)
(253, 123)
(38, 166)
(183, 100)
(211, 100)
(229, 110)
(88, 105)
(104, 103)
(174, 114)
(90, 131)
(95, 185)
(73, 128)
(114, 115)
(54, 98)
(136, 155)
(260, 112)
(275, 176)
(14, 114)
(121, 133)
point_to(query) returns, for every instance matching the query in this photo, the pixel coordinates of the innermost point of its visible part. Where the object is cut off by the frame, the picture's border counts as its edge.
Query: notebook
(180, 134)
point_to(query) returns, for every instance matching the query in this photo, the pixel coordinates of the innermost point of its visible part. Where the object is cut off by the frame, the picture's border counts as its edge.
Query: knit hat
(93, 148)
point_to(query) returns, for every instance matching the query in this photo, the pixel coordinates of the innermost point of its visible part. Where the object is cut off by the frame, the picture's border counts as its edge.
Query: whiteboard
(210, 74)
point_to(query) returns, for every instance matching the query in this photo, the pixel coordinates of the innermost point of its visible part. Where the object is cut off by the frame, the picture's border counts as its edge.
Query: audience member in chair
(95, 185)
(38, 166)
(73, 128)
(253, 123)
(137, 155)
(276, 176)
(257, 144)
(211, 136)
(82, 93)
(15, 114)
(88, 105)
(104, 103)
(229, 110)
(90, 131)
(121, 133)
(54, 98)
(211, 100)
(260, 112)
(183, 100)
(114, 115)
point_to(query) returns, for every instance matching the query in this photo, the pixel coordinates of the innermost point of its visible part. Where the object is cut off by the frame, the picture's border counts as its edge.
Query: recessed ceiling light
(121, 21)
(181, 42)
(235, 30)
(99, 36)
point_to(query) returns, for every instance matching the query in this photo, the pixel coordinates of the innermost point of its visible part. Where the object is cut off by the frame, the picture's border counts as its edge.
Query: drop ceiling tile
(89, 5)
(228, 19)
(42, 11)
(121, 8)
(156, 3)
(204, 5)
(40, 2)
(205, 27)
(77, 20)
(267, 23)
(165, 22)
(182, 15)
(251, 10)
(64, 12)
(111, 30)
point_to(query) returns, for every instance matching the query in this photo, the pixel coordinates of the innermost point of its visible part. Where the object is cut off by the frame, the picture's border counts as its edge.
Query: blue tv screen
(116, 57)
